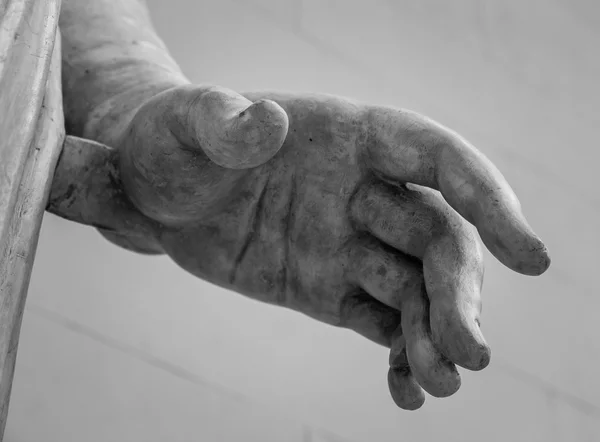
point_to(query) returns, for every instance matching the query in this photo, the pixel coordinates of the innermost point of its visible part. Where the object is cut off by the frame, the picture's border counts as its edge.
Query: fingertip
(404, 389)
(479, 353)
(267, 109)
(532, 255)
(529, 257)
(485, 356)
(265, 114)
(545, 260)
(457, 335)
(434, 372)
(232, 131)
(475, 358)
(440, 380)
(258, 133)
(539, 260)
(514, 243)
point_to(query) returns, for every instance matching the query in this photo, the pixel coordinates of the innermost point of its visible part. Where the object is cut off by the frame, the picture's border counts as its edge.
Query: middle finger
(418, 222)
(396, 281)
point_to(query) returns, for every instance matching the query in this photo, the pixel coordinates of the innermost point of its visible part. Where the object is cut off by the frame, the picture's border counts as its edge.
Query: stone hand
(360, 216)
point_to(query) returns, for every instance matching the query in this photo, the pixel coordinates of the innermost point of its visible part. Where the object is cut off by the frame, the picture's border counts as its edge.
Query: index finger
(404, 146)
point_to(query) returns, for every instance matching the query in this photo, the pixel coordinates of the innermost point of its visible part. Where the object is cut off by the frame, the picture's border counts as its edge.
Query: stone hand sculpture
(348, 213)
(360, 216)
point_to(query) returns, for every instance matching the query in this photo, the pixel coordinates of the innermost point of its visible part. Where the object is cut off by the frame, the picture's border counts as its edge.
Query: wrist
(112, 62)
(102, 105)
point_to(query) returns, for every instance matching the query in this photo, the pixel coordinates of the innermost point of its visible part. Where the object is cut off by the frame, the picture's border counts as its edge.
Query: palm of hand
(281, 232)
(328, 227)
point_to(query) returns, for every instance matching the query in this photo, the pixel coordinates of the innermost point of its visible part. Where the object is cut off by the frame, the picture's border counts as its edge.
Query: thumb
(188, 148)
(232, 131)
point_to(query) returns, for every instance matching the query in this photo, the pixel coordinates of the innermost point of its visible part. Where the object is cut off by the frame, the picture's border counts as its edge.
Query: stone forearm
(112, 61)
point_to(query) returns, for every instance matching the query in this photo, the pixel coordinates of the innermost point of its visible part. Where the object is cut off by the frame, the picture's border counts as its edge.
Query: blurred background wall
(119, 347)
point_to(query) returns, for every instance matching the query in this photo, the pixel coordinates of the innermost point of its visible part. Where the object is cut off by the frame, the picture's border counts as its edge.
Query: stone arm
(113, 61)
(361, 216)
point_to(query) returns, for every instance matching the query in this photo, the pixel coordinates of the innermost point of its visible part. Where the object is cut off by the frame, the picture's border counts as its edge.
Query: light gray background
(118, 347)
